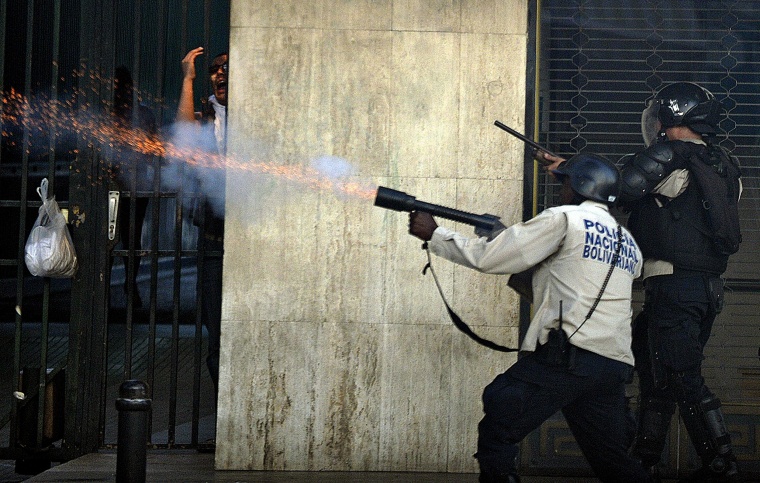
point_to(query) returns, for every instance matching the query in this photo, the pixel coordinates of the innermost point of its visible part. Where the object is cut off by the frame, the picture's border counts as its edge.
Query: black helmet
(681, 104)
(592, 177)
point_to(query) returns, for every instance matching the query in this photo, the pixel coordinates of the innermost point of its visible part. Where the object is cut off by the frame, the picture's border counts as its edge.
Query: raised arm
(186, 108)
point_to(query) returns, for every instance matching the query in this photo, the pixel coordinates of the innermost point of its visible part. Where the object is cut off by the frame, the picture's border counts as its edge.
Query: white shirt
(572, 247)
(220, 124)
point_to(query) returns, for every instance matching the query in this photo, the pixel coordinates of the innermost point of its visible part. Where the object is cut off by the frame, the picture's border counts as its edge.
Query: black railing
(83, 337)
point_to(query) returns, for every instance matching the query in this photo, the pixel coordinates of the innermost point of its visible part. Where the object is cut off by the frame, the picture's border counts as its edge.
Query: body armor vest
(678, 231)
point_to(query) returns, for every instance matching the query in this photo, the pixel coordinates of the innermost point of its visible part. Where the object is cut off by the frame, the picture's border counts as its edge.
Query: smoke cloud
(189, 157)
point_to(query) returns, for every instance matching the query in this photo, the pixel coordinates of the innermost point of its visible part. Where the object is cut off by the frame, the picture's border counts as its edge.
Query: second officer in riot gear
(682, 194)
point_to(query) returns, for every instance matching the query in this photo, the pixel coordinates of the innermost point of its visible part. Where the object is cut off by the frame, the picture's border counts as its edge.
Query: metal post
(133, 406)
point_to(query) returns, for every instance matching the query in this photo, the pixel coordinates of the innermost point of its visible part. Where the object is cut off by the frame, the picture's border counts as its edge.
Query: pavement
(192, 466)
(189, 466)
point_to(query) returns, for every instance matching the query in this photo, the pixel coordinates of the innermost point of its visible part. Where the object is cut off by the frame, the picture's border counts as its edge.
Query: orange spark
(50, 117)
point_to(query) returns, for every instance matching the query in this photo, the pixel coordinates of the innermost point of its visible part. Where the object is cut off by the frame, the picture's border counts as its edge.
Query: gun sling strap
(461, 325)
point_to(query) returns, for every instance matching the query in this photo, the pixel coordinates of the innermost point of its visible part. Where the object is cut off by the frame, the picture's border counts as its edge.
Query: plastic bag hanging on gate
(49, 250)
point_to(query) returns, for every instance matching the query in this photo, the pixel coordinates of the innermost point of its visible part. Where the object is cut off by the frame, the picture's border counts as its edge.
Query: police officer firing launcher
(578, 345)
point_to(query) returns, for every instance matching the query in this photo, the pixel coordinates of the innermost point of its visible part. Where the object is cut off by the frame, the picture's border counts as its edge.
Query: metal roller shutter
(598, 62)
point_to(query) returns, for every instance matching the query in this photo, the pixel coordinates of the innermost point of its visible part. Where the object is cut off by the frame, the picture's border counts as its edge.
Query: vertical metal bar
(177, 272)
(129, 269)
(200, 258)
(76, 400)
(197, 359)
(207, 37)
(183, 34)
(54, 89)
(103, 362)
(137, 43)
(154, 227)
(22, 208)
(132, 263)
(45, 322)
(163, 15)
(88, 335)
(198, 340)
(107, 31)
(19, 286)
(175, 319)
(203, 253)
(155, 204)
(104, 366)
(179, 199)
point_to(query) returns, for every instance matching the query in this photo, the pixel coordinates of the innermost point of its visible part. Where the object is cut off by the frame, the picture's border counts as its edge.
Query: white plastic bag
(49, 249)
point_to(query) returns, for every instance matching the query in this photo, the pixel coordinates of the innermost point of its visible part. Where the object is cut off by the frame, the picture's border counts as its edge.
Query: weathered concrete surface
(337, 353)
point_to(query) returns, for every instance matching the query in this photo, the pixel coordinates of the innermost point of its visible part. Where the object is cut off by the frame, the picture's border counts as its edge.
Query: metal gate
(130, 310)
(597, 62)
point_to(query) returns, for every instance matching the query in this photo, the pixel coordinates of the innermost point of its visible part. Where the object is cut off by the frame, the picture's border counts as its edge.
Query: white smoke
(333, 167)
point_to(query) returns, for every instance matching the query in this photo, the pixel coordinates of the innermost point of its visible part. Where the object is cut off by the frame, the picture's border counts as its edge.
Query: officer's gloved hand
(549, 162)
(422, 225)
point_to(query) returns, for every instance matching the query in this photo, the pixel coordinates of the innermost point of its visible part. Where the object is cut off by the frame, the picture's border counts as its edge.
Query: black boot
(498, 478)
(654, 420)
(707, 474)
(709, 435)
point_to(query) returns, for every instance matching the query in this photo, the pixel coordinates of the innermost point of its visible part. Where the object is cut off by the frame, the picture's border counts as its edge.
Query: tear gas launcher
(485, 224)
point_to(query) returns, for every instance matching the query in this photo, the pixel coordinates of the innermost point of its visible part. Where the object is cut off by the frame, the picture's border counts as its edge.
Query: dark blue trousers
(211, 305)
(669, 338)
(591, 397)
(676, 323)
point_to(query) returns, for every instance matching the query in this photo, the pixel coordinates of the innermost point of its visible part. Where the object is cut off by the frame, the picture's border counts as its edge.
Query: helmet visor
(650, 122)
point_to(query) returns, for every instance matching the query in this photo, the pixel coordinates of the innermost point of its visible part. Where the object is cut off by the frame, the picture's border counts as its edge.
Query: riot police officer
(671, 190)
(576, 352)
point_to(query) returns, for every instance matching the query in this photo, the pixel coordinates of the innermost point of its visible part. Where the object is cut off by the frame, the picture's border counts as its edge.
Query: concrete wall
(337, 353)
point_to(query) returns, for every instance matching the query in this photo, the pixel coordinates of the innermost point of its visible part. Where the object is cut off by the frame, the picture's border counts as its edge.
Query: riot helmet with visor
(680, 104)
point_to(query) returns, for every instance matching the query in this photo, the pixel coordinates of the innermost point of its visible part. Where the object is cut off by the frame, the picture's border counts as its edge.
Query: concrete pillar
(337, 353)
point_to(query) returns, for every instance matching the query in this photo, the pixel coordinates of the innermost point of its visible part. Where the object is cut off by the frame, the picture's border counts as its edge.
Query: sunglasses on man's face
(213, 69)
